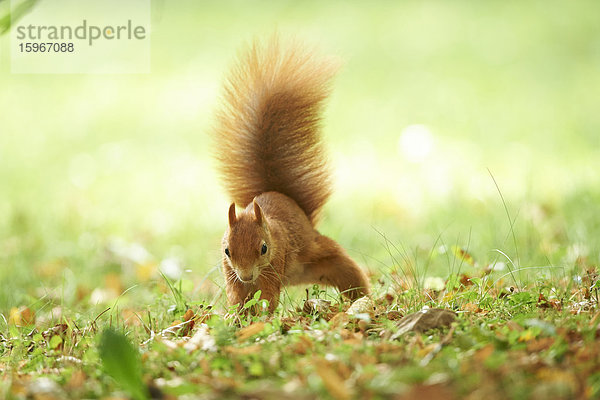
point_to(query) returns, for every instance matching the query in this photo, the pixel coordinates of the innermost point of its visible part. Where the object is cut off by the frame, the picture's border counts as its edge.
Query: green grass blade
(121, 361)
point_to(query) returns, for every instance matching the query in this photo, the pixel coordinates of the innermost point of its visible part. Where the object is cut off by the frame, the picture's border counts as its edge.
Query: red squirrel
(272, 162)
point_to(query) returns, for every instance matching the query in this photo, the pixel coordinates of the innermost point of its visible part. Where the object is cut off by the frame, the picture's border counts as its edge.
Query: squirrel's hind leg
(329, 263)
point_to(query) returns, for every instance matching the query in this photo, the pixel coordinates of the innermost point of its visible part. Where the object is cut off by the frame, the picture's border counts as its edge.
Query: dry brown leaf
(548, 303)
(58, 329)
(513, 326)
(339, 320)
(250, 331)
(556, 304)
(130, 317)
(333, 382)
(22, 316)
(316, 306)
(189, 314)
(393, 315)
(558, 375)
(355, 340)
(465, 280)
(429, 392)
(389, 298)
(189, 317)
(242, 351)
(145, 271)
(483, 353)
(463, 255)
(299, 348)
(536, 345)
(424, 320)
(286, 324)
(77, 380)
(113, 281)
(471, 307)
(18, 389)
(82, 292)
(363, 305)
(427, 349)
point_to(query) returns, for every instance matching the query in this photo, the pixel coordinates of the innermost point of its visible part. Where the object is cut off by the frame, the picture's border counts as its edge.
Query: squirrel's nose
(245, 277)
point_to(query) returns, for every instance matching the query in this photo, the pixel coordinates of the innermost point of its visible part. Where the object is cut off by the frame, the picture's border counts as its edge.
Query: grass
(111, 215)
(537, 340)
(524, 330)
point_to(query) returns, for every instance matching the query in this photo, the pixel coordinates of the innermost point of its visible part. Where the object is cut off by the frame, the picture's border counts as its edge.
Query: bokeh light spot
(415, 143)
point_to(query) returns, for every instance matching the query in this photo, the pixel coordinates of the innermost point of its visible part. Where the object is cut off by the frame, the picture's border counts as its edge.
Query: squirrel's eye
(227, 252)
(263, 250)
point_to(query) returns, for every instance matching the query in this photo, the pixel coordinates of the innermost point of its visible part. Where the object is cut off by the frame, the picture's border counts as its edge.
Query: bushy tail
(267, 131)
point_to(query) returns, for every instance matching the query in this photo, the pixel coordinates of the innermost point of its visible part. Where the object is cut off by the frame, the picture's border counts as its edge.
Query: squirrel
(272, 162)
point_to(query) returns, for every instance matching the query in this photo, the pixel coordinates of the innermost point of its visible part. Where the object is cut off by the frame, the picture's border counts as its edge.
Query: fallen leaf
(145, 271)
(427, 349)
(131, 318)
(558, 375)
(349, 336)
(465, 280)
(189, 314)
(113, 282)
(333, 382)
(22, 316)
(463, 255)
(250, 331)
(242, 351)
(287, 324)
(471, 307)
(429, 392)
(363, 305)
(303, 345)
(424, 320)
(316, 306)
(58, 329)
(526, 336)
(393, 315)
(537, 345)
(339, 320)
(513, 326)
(483, 353)
(548, 303)
(77, 379)
(18, 389)
(190, 318)
(389, 298)
(556, 304)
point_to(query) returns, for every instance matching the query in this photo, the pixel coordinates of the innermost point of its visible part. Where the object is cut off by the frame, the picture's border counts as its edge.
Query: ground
(510, 339)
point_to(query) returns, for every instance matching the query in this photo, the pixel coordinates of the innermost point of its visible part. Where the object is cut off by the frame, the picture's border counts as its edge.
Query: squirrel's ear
(258, 215)
(232, 217)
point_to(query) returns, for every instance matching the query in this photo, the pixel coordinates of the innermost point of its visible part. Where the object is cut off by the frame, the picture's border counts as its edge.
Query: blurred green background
(104, 179)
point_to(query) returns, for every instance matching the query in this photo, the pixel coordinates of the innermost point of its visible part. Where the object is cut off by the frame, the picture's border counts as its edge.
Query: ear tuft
(258, 215)
(232, 216)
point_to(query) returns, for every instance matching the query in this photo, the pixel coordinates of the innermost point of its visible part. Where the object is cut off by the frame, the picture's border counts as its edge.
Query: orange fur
(272, 162)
